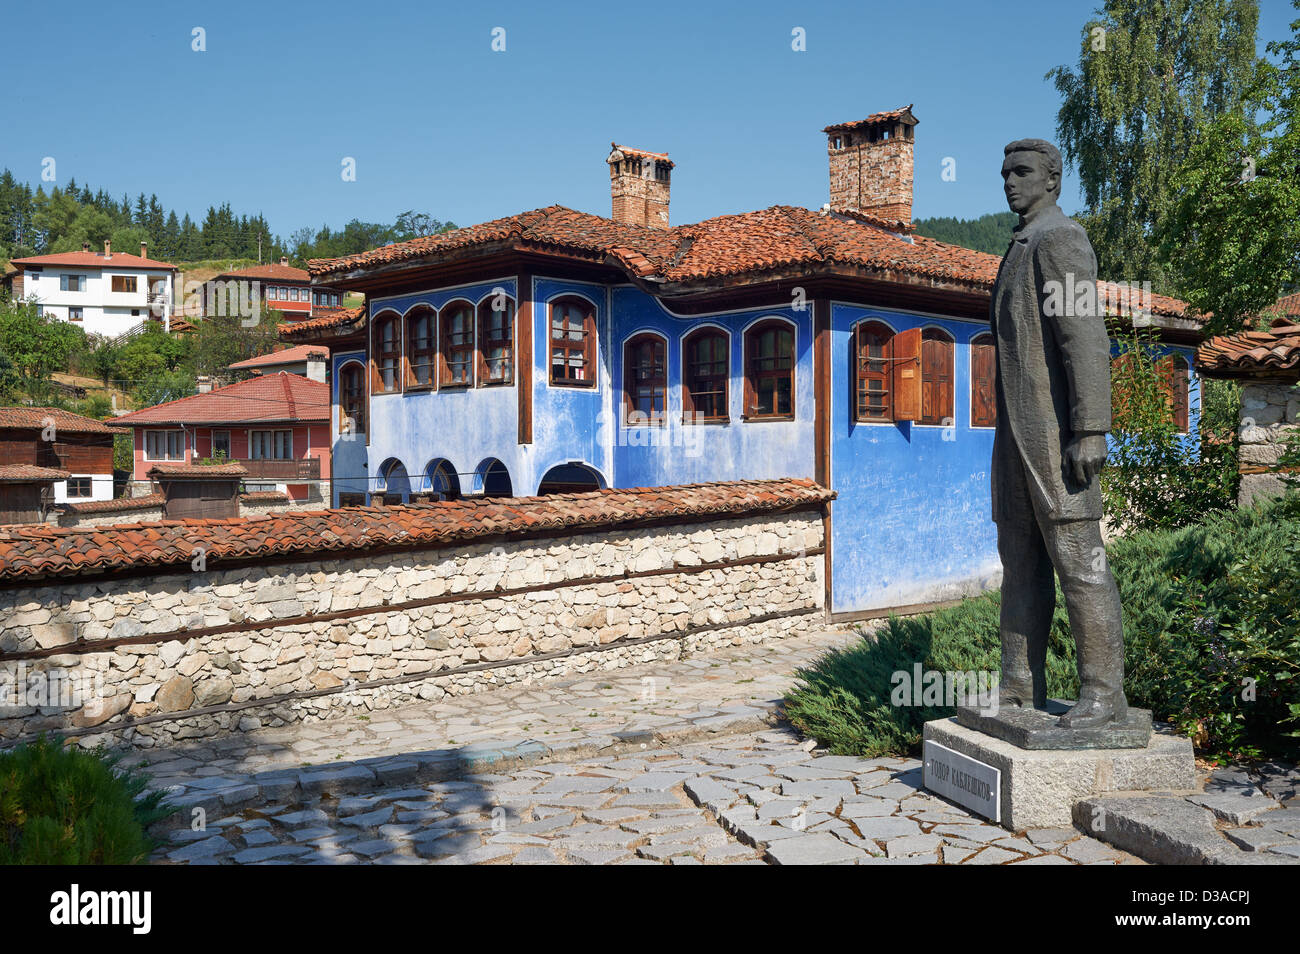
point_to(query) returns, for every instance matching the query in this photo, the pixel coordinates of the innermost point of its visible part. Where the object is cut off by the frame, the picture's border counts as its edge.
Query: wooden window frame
(928, 384)
(983, 339)
(1173, 369)
(863, 373)
(162, 433)
(463, 352)
(344, 371)
(87, 482)
(426, 357)
(752, 336)
(212, 443)
(629, 397)
(128, 282)
(379, 357)
(272, 431)
(721, 383)
(586, 348)
(485, 311)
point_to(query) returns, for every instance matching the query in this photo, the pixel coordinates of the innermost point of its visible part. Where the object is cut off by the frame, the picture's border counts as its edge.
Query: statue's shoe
(1015, 696)
(1094, 710)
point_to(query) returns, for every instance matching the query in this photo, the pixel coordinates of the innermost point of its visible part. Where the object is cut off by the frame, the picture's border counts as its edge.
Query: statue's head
(1031, 174)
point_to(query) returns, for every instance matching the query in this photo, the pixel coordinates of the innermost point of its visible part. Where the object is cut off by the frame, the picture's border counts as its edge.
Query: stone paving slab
(1235, 820)
(671, 805)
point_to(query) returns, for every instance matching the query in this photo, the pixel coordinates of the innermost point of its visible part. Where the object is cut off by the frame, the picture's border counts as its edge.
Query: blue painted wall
(349, 468)
(677, 453)
(912, 520)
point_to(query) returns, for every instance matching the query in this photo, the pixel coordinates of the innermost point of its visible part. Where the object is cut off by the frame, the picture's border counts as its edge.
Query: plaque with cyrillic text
(964, 780)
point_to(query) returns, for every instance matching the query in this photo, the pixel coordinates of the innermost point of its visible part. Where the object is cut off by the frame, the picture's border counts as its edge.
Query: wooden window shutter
(983, 371)
(906, 383)
(1181, 409)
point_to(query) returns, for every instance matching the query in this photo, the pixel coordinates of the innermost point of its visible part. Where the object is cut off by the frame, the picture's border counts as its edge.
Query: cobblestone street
(742, 799)
(664, 763)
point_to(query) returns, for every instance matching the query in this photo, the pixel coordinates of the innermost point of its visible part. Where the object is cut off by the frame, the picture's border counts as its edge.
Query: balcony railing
(305, 469)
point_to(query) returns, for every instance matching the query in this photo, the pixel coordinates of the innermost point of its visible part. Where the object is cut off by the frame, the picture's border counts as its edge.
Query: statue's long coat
(1053, 370)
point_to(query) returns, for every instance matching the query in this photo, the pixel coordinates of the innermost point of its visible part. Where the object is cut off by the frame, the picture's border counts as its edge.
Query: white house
(105, 293)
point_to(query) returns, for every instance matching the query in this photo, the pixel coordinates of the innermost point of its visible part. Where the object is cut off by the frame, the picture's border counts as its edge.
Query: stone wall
(1269, 411)
(182, 655)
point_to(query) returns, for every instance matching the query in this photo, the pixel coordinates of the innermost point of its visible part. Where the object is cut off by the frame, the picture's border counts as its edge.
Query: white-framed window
(75, 283)
(270, 445)
(164, 445)
(79, 487)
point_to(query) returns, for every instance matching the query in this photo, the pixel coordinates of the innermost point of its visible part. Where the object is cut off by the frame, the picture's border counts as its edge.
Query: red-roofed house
(105, 293)
(555, 349)
(306, 360)
(284, 288)
(52, 438)
(276, 426)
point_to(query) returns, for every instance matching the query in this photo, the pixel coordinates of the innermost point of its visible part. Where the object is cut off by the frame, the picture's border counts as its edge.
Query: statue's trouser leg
(1028, 601)
(1092, 600)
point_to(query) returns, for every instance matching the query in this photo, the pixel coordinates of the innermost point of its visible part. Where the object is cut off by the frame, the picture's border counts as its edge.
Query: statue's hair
(1042, 147)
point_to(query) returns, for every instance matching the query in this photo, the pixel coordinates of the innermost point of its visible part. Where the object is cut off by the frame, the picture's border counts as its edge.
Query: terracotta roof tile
(287, 356)
(263, 399)
(335, 318)
(118, 504)
(93, 260)
(26, 473)
(274, 271)
(1289, 305)
(1276, 351)
(264, 496)
(748, 245)
(886, 116)
(40, 417)
(198, 471)
(640, 153)
(37, 552)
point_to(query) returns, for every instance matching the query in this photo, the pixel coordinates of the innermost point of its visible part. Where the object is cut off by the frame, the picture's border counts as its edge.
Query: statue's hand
(1085, 455)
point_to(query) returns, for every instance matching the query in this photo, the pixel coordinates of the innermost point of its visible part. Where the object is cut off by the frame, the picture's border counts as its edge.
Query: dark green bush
(67, 806)
(1205, 608)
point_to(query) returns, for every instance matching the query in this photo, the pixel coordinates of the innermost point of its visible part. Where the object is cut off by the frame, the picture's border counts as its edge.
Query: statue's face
(1027, 182)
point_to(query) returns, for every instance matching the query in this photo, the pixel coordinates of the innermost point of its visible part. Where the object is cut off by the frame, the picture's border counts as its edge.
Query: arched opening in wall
(571, 478)
(491, 479)
(441, 482)
(393, 485)
(352, 399)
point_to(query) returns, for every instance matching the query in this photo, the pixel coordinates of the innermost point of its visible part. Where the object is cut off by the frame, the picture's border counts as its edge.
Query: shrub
(1156, 477)
(1205, 607)
(67, 806)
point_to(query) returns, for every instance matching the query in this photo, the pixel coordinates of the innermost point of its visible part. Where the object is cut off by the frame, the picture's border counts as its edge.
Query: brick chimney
(108, 248)
(871, 165)
(144, 249)
(639, 186)
(85, 246)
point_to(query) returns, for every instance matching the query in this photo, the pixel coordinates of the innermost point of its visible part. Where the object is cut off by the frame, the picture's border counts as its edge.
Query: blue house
(559, 351)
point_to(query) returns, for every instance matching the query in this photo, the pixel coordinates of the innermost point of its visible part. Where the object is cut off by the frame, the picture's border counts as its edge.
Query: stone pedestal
(1039, 787)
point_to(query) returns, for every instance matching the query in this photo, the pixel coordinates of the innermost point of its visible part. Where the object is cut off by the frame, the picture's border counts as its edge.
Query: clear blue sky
(438, 122)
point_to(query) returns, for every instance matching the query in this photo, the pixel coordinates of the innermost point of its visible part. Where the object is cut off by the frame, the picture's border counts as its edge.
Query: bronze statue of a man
(1053, 413)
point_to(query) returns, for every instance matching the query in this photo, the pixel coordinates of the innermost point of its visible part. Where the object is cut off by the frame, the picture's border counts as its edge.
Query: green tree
(1150, 73)
(36, 345)
(1233, 235)
(989, 233)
